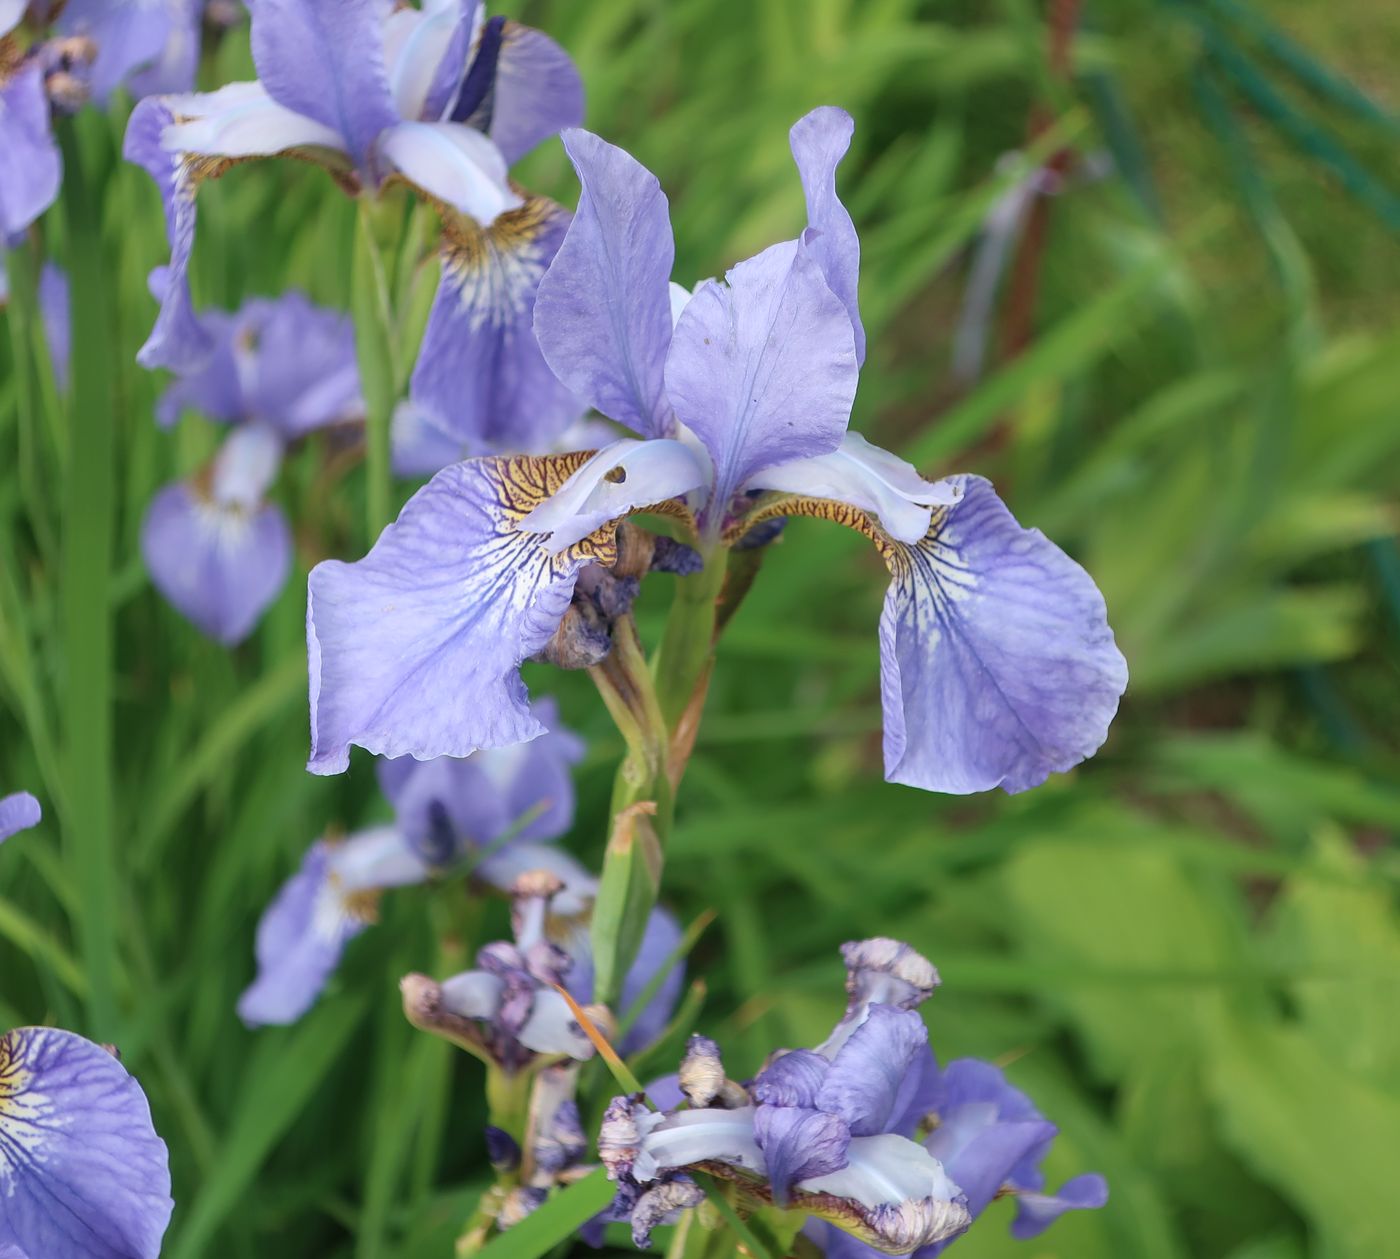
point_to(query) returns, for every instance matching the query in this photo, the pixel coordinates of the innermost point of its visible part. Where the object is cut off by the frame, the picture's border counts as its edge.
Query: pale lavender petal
(30, 166)
(552, 1028)
(536, 94)
(11, 14)
(128, 37)
(246, 466)
(178, 341)
(425, 50)
(867, 477)
(980, 1153)
(799, 1144)
(885, 1169)
(792, 1079)
(18, 812)
(626, 475)
(1035, 1212)
(448, 603)
(480, 377)
(219, 566)
(998, 667)
(84, 1174)
(214, 387)
(175, 68)
(297, 366)
(54, 310)
(420, 445)
(763, 369)
(819, 141)
(300, 941)
(865, 1083)
(325, 59)
(239, 120)
(919, 1096)
(661, 938)
(535, 780)
(452, 163)
(603, 315)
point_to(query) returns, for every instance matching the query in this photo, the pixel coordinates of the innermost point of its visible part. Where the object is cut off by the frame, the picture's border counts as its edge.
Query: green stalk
(375, 351)
(687, 645)
(89, 527)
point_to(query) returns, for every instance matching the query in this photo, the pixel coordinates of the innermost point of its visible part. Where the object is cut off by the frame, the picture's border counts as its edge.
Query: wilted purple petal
(698, 1136)
(865, 1083)
(18, 812)
(799, 1144)
(791, 1079)
(448, 603)
(325, 59)
(85, 1175)
(603, 314)
(998, 667)
(30, 166)
(219, 564)
(762, 369)
(1035, 1212)
(480, 375)
(819, 141)
(536, 93)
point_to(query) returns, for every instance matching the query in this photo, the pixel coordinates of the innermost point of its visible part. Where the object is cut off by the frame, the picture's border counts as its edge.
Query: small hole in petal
(616, 475)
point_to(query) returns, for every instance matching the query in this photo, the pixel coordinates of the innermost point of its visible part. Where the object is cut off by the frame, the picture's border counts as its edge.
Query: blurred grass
(1187, 951)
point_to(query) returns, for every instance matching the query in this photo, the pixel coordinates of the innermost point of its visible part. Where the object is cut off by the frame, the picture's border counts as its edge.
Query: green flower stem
(683, 660)
(508, 1100)
(376, 352)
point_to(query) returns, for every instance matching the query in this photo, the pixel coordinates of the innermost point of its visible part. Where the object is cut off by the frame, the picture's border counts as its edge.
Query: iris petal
(537, 91)
(85, 1176)
(30, 166)
(324, 59)
(819, 141)
(449, 602)
(480, 378)
(617, 479)
(1035, 1212)
(998, 667)
(865, 1082)
(799, 1144)
(699, 1136)
(18, 812)
(219, 565)
(867, 477)
(603, 314)
(452, 163)
(240, 120)
(762, 369)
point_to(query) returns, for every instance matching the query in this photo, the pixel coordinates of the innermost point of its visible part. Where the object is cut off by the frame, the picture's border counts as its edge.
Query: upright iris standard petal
(868, 477)
(82, 1172)
(819, 141)
(480, 376)
(175, 67)
(18, 812)
(214, 549)
(127, 37)
(325, 59)
(998, 667)
(868, 1081)
(425, 50)
(603, 314)
(763, 369)
(622, 476)
(178, 339)
(416, 648)
(30, 166)
(536, 93)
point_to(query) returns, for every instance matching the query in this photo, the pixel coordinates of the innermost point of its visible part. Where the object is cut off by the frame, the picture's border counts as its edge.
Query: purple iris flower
(838, 1132)
(438, 97)
(500, 807)
(82, 1172)
(30, 166)
(146, 46)
(508, 1010)
(18, 812)
(997, 663)
(215, 547)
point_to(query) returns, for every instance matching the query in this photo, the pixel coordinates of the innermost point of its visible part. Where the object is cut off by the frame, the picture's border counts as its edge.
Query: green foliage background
(1187, 951)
